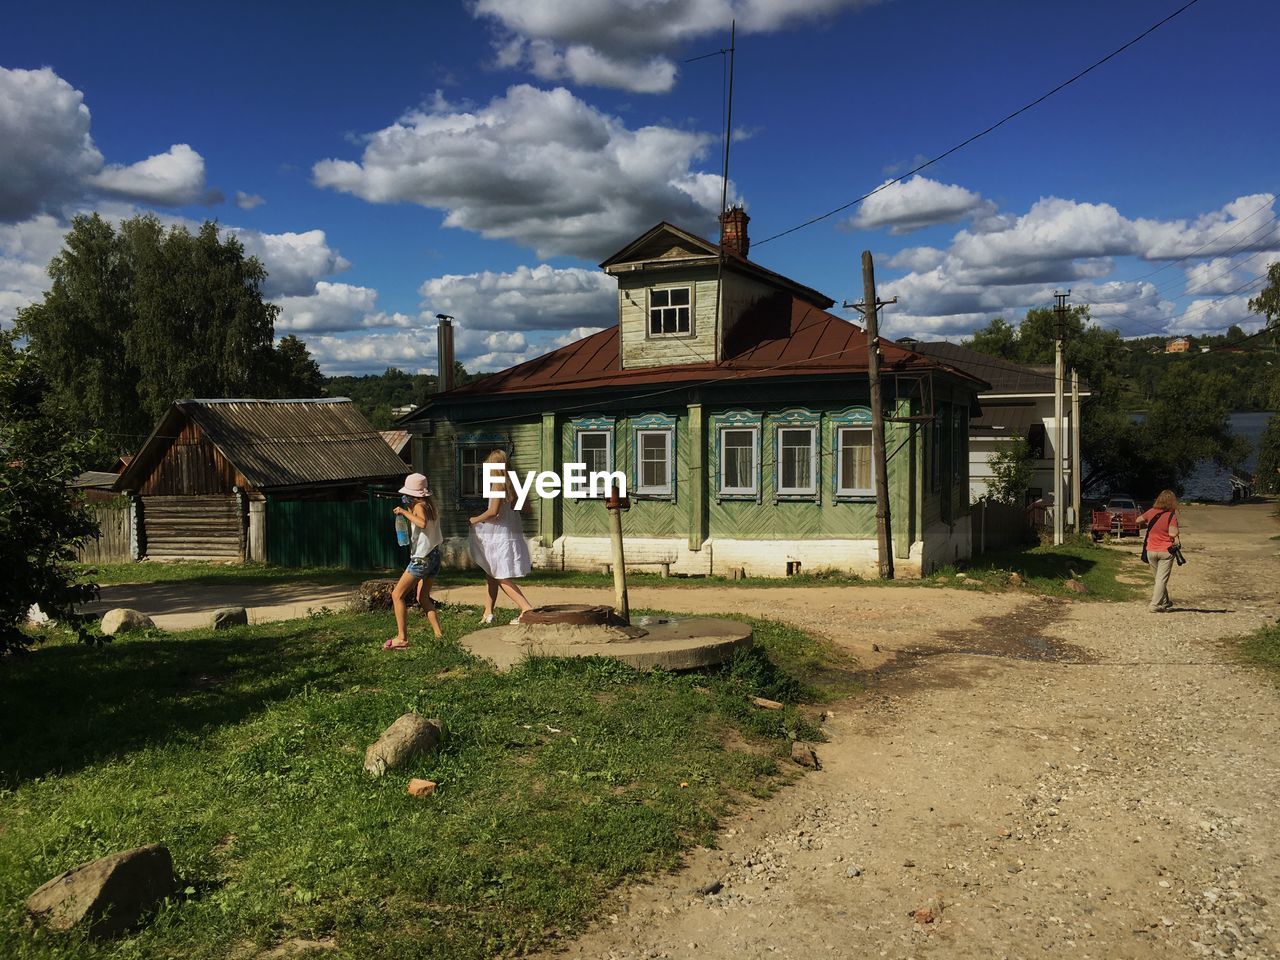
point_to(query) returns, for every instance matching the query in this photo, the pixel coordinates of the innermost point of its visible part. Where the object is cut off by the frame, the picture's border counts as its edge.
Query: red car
(1124, 516)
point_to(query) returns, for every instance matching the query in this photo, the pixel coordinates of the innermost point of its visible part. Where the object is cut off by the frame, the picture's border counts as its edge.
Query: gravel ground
(1027, 778)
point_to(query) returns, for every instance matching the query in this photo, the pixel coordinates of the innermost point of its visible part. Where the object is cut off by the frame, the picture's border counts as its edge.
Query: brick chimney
(733, 230)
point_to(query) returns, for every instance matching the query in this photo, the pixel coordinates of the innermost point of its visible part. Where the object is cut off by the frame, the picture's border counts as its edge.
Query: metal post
(870, 312)
(1075, 448)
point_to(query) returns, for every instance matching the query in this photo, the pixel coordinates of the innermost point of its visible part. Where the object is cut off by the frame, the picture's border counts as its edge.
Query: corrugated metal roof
(102, 479)
(281, 443)
(396, 439)
(788, 337)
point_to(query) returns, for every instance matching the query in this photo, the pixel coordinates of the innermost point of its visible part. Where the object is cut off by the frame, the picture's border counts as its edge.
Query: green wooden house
(738, 408)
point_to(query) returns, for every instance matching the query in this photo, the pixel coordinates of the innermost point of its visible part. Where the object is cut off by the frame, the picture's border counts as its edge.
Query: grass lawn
(1045, 570)
(1264, 647)
(242, 750)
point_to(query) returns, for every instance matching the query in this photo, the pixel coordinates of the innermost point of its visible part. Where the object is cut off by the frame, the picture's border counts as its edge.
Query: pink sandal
(392, 645)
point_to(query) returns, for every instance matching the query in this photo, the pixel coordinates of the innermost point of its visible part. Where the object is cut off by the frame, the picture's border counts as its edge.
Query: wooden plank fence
(111, 545)
(999, 525)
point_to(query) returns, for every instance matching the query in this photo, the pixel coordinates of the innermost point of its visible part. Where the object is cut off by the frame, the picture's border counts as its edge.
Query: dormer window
(670, 312)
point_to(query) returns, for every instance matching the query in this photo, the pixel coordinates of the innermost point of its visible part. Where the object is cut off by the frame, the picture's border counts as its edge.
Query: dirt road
(1049, 779)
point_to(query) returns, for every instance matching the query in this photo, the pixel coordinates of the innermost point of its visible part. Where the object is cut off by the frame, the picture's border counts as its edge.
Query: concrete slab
(685, 643)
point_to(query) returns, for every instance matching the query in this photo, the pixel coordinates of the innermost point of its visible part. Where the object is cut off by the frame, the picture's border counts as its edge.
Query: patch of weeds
(1263, 646)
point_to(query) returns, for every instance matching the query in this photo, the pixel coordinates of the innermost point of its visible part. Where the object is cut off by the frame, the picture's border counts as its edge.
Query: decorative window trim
(649, 308)
(737, 420)
(595, 427)
(662, 424)
(738, 493)
(852, 417)
(813, 492)
(843, 492)
(476, 441)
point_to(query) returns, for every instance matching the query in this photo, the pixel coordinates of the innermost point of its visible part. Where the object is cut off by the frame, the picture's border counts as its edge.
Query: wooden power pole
(879, 462)
(1059, 435)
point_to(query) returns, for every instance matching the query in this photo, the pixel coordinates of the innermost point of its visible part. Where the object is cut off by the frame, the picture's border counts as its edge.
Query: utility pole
(1059, 493)
(1075, 448)
(870, 308)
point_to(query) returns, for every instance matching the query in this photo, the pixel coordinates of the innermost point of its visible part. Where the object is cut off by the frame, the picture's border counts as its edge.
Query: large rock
(373, 595)
(110, 894)
(228, 617)
(123, 620)
(400, 742)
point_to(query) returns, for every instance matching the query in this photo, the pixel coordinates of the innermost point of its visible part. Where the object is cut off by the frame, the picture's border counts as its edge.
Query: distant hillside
(378, 394)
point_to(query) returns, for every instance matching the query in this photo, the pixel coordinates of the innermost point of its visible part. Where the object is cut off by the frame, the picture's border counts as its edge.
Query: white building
(1018, 405)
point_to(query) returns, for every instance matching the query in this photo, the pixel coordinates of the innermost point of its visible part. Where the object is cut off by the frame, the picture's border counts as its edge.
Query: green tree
(1187, 407)
(296, 374)
(1267, 302)
(138, 317)
(1012, 471)
(41, 523)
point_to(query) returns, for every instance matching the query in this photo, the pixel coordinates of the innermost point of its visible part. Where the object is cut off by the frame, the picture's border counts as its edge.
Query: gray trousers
(1163, 564)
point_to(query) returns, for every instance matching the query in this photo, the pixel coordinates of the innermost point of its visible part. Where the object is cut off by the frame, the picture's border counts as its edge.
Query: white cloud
(248, 201)
(294, 261)
(528, 298)
(170, 179)
(415, 351)
(1003, 264)
(46, 151)
(25, 250)
(628, 45)
(49, 159)
(336, 307)
(1215, 315)
(571, 336)
(916, 203)
(538, 167)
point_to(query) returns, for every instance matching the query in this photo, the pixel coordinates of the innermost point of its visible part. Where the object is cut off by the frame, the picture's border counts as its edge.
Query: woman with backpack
(1160, 546)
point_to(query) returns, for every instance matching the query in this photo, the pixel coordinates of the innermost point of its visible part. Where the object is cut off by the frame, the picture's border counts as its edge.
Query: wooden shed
(202, 477)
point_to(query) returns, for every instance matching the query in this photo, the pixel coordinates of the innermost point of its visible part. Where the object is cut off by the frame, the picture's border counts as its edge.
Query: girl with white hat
(424, 559)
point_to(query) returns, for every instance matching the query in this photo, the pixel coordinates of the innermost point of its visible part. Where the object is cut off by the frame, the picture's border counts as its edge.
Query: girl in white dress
(498, 546)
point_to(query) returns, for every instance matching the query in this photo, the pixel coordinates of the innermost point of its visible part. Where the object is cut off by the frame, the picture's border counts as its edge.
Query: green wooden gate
(353, 534)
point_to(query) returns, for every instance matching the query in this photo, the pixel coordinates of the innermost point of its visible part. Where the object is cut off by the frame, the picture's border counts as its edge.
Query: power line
(982, 133)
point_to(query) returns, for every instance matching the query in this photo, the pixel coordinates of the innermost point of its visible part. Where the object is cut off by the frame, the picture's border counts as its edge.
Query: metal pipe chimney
(444, 353)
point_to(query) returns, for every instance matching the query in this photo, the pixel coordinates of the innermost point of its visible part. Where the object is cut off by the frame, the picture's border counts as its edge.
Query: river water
(1209, 481)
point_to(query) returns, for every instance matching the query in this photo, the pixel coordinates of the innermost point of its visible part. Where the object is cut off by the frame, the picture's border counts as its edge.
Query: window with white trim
(471, 471)
(653, 462)
(854, 472)
(739, 461)
(797, 461)
(595, 449)
(670, 312)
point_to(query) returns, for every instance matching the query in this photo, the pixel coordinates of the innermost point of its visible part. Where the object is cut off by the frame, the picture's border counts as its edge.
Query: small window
(669, 312)
(595, 449)
(471, 471)
(854, 476)
(739, 461)
(797, 461)
(653, 455)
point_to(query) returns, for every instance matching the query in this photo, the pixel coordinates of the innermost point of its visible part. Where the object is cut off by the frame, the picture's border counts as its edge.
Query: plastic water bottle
(402, 526)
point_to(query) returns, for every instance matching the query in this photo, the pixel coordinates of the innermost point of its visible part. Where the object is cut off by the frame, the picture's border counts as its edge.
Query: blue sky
(480, 158)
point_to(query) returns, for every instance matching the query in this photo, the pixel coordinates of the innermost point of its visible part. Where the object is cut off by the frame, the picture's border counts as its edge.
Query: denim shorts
(424, 567)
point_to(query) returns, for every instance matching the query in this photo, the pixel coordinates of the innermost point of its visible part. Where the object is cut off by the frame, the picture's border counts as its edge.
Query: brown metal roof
(801, 340)
(396, 439)
(279, 443)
